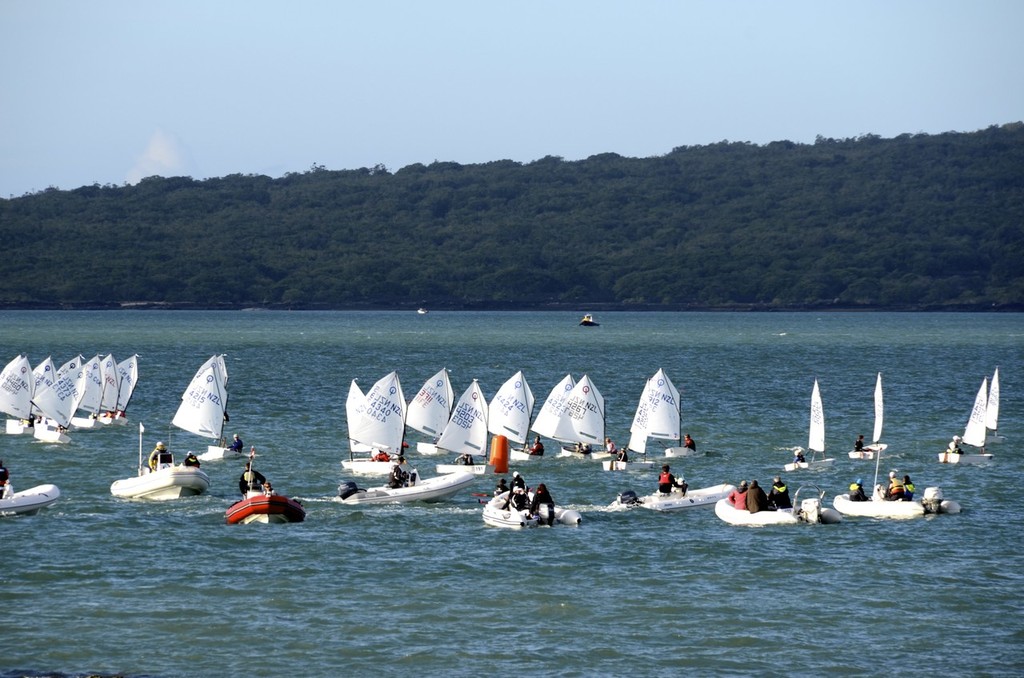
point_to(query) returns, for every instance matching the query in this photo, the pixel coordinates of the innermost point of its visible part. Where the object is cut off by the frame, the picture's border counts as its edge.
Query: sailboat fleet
(51, 402)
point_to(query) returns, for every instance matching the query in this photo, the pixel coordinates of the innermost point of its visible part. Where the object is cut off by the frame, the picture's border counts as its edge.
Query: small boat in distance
(421, 311)
(588, 321)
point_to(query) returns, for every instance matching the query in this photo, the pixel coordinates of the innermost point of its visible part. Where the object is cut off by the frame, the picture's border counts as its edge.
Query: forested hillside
(919, 221)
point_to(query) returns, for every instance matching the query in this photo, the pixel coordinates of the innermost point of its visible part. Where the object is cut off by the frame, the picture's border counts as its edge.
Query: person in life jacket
(160, 457)
(857, 491)
(688, 443)
(251, 480)
(543, 498)
(518, 481)
(667, 481)
(236, 445)
(778, 496)
(381, 456)
(908, 488)
(5, 481)
(398, 476)
(191, 459)
(858, 445)
(896, 490)
(517, 499)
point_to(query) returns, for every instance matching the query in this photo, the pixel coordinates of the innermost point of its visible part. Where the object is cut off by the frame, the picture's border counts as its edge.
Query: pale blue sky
(110, 91)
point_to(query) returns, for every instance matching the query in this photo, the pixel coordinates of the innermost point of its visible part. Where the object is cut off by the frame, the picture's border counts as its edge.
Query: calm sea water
(96, 584)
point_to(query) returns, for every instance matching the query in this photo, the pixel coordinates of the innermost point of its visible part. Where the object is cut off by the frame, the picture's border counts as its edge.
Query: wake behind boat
(29, 502)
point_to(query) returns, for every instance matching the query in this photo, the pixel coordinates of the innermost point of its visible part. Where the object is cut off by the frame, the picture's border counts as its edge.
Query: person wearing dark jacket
(857, 491)
(541, 497)
(757, 500)
(251, 480)
(778, 498)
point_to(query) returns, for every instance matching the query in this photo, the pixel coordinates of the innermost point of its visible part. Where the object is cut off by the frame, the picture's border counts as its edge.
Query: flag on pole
(142, 429)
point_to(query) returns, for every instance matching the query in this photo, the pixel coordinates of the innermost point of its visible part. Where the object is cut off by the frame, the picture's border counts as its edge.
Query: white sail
(381, 420)
(43, 375)
(355, 404)
(58, 400)
(16, 383)
(92, 386)
(974, 434)
(583, 416)
(128, 370)
(546, 423)
(430, 410)
(466, 431)
(204, 401)
(511, 409)
(816, 438)
(879, 409)
(992, 407)
(111, 384)
(657, 413)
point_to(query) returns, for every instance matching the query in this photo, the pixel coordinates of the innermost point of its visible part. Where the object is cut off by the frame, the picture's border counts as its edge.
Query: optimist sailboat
(203, 405)
(582, 421)
(127, 378)
(375, 422)
(546, 423)
(510, 412)
(869, 451)
(816, 436)
(430, 410)
(657, 416)
(974, 434)
(58, 400)
(466, 434)
(16, 382)
(91, 395)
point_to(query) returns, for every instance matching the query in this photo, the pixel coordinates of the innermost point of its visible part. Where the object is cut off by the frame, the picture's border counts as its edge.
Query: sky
(111, 91)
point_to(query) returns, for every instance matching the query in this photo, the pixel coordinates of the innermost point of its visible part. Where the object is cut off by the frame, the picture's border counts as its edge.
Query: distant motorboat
(588, 321)
(421, 311)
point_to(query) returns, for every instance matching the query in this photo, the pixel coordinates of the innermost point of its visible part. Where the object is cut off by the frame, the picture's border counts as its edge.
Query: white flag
(142, 429)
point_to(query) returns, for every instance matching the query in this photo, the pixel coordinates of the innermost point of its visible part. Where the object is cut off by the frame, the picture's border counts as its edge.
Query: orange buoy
(499, 454)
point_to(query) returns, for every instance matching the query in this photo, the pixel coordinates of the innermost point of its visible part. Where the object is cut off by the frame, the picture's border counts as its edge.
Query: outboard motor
(628, 498)
(810, 510)
(347, 489)
(934, 503)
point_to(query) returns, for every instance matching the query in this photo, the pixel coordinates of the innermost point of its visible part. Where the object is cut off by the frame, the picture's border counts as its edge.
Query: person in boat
(518, 481)
(191, 459)
(778, 497)
(756, 499)
(251, 480)
(268, 489)
(895, 491)
(738, 497)
(798, 457)
(236, 445)
(610, 447)
(621, 455)
(857, 491)
(689, 443)
(160, 457)
(908, 489)
(517, 500)
(5, 481)
(465, 459)
(543, 498)
(667, 482)
(380, 455)
(582, 448)
(398, 477)
(954, 446)
(537, 449)
(501, 488)
(858, 445)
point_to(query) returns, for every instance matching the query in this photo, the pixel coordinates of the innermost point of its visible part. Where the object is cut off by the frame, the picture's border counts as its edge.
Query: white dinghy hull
(166, 483)
(30, 501)
(676, 500)
(438, 488)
